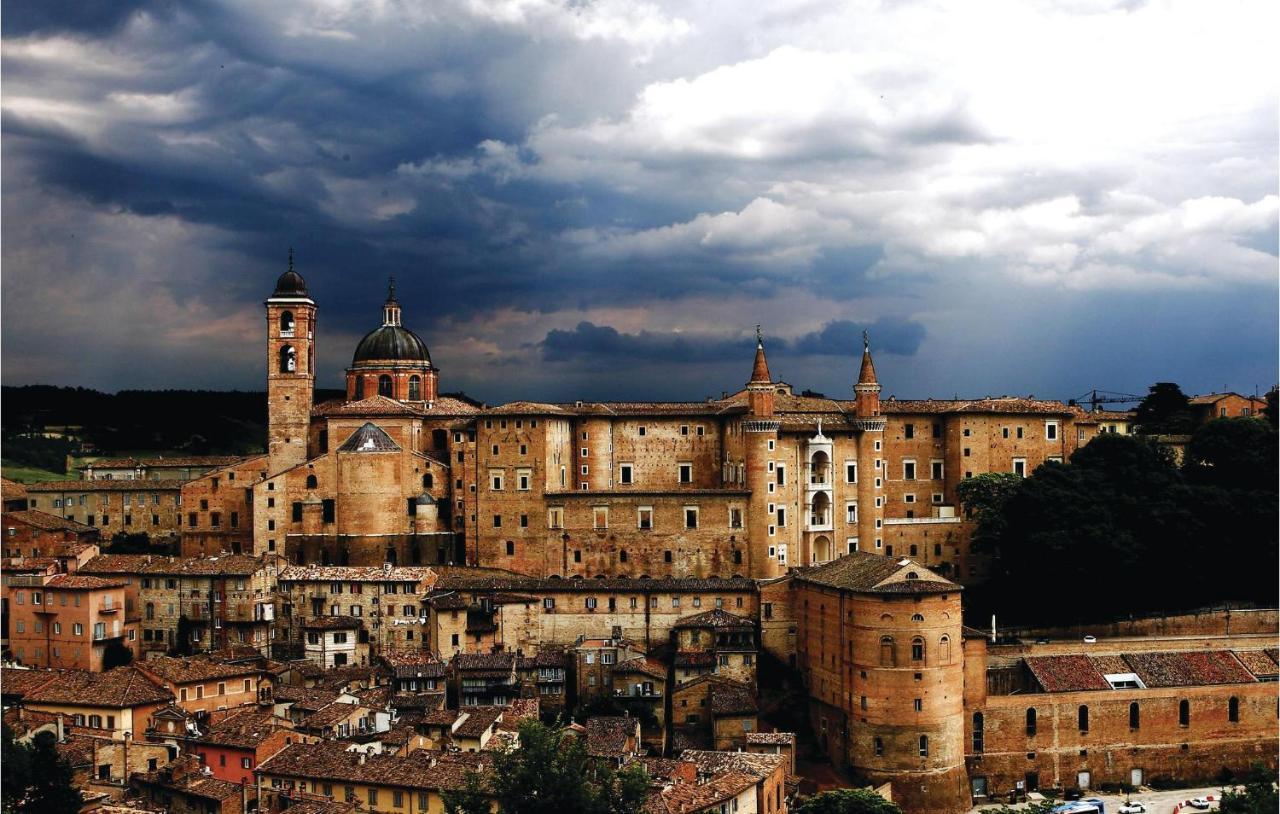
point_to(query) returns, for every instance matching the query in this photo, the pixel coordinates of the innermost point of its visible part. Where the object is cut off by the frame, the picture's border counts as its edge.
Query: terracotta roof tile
(607, 735)
(348, 573)
(689, 798)
(713, 763)
(1258, 662)
(771, 738)
(714, 618)
(57, 486)
(18, 682)
(864, 572)
(475, 721)
(119, 688)
(47, 522)
(194, 668)
(1070, 673)
(1188, 669)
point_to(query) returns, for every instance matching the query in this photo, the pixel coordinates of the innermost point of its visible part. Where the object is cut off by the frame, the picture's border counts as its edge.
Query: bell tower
(291, 320)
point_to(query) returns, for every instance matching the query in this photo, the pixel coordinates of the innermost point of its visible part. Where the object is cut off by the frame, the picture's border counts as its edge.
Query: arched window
(944, 649)
(359, 387)
(286, 323)
(312, 482)
(288, 359)
(1184, 713)
(415, 388)
(384, 386)
(917, 617)
(428, 481)
(1135, 716)
(886, 651)
(917, 649)
(1031, 721)
(912, 575)
(1233, 710)
(978, 732)
(1083, 716)
(924, 746)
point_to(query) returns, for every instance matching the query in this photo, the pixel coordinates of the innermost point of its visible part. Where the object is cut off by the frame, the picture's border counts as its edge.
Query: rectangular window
(495, 479)
(624, 473)
(782, 515)
(908, 470)
(850, 472)
(686, 473)
(735, 517)
(555, 518)
(908, 430)
(691, 517)
(640, 431)
(1020, 467)
(1051, 430)
(935, 470)
(524, 479)
(644, 517)
(600, 517)
(782, 475)
(497, 521)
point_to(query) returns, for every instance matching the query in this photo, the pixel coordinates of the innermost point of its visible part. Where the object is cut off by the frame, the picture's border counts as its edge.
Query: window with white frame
(495, 479)
(1020, 467)
(644, 517)
(850, 471)
(555, 517)
(851, 512)
(691, 517)
(625, 473)
(686, 472)
(600, 517)
(908, 470)
(935, 469)
(524, 479)
(1051, 430)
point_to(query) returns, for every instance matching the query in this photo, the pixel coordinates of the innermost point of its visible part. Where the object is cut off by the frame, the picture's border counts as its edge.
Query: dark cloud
(604, 347)
(23, 17)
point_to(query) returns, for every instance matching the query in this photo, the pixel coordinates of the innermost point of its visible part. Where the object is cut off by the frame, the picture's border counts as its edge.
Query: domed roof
(391, 342)
(290, 283)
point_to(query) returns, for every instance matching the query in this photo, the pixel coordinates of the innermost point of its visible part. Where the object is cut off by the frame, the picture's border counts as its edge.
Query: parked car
(1200, 803)
(1132, 807)
(1042, 640)
(1090, 639)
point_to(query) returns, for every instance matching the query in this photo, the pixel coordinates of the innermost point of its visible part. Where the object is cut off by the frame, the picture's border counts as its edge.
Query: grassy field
(28, 474)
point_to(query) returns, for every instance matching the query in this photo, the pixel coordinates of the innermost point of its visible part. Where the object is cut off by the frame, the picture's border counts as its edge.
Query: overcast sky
(589, 199)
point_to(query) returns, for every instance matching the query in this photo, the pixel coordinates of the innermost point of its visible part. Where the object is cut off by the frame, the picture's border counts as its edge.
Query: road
(1157, 802)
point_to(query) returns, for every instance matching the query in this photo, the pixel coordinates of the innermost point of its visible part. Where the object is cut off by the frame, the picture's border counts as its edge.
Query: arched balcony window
(286, 323)
(820, 511)
(384, 386)
(288, 359)
(415, 388)
(917, 649)
(819, 469)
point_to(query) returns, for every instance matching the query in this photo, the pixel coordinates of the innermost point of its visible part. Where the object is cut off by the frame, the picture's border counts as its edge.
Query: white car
(1132, 807)
(1200, 803)
(1090, 639)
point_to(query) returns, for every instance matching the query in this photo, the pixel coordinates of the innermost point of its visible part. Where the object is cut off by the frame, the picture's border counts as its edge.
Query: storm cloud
(602, 199)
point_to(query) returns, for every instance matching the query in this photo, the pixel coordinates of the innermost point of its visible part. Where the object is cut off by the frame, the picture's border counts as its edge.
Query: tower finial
(759, 335)
(290, 258)
(866, 341)
(391, 287)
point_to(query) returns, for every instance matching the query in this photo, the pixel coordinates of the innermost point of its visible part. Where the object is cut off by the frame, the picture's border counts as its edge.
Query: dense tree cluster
(846, 801)
(551, 773)
(37, 780)
(1122, 529)
(1258, 795)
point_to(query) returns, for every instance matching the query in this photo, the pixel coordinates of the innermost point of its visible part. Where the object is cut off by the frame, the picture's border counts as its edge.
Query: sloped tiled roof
(714, 762)
(369, 438)
(715, 618)
(351, 573)
(163, 485)
(78, 582)
(863, 572)
(644, 666)
(18, 682)
(691, 798)
(47, 522)
(732, 698)
(1187, 669)
(607, 735)
(194, 668)
(1069, 673)
(119, 688)
(1258, 662)
(477, 721)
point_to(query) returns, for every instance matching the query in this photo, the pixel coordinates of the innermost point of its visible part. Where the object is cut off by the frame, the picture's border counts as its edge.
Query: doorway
(1082, 780)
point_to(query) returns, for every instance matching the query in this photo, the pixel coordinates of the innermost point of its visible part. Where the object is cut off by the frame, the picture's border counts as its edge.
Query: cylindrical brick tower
(760, 431)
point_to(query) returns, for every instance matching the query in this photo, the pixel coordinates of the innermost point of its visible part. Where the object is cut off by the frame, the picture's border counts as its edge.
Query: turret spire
(760, 370)
(867, 375)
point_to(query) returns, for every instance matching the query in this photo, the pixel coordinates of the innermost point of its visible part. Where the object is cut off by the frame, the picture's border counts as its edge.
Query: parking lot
(1157, 802)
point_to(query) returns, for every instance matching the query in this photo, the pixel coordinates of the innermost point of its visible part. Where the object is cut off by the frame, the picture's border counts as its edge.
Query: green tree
(846, 801)
(1233, 453)
(16, 759)
(984, 499)
(472, 798)
(1165, 410)
(51, 786)
(551, 773)
(182, 638)
(1272, 410)
(1258, 796)
(115, 654)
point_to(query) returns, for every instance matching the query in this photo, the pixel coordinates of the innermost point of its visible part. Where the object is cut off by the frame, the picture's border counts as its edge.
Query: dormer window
(286, 323)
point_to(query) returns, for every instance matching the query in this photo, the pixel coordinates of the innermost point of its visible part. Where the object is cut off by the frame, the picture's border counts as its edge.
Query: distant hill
(42, 424)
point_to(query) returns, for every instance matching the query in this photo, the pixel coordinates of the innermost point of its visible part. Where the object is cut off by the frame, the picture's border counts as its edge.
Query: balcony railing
(109, 607)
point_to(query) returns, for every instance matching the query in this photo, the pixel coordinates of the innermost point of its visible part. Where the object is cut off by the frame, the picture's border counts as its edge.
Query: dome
(391, 342)
(290, 283)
